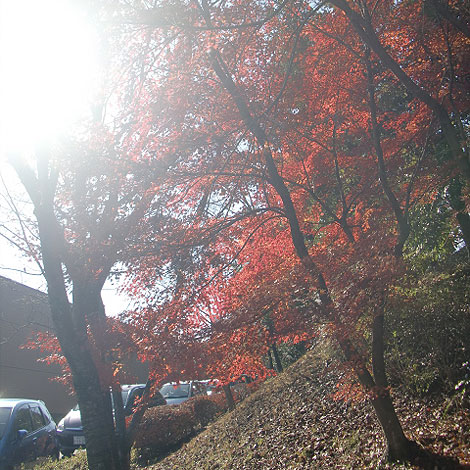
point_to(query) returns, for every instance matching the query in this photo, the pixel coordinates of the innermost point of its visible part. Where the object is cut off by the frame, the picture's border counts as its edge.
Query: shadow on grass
(428, 460)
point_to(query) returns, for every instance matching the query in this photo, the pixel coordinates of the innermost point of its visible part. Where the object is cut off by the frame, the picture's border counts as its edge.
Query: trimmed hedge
(164, 428)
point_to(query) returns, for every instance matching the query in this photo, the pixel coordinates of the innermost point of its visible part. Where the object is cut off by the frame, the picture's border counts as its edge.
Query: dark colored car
(176, 393)
(27, 432)
(70, 432)
(70, 429)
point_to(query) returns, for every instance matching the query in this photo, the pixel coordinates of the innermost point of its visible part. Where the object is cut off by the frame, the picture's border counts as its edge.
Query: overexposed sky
(49, 66)
(49, 72)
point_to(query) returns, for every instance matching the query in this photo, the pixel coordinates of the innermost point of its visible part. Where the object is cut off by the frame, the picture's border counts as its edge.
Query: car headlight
(61, 426)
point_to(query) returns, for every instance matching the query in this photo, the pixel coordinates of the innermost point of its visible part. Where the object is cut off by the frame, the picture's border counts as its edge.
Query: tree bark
(277, 359)
(400, 215)
(122, 441)
(229, 397)
(95, 403)
(399, 448)
(270, 360)
(449, 14)
(464, 222)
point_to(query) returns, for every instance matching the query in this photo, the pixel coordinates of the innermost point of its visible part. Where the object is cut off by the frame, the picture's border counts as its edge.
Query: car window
(37, 418)
(173, 391)
(22, 420)
(136, 394)
(45, 413)
(4, 417)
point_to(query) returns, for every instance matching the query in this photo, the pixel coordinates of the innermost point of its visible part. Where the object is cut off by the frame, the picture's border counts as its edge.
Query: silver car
(176, 393)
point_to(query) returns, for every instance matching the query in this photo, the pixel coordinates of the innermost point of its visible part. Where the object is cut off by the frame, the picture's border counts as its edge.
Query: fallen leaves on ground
(293, 422)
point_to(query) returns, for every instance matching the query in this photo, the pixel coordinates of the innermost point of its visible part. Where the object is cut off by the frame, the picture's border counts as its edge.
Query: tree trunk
(464, 222)
(277, 359)
(400, 216)
(229, 397)
(94, 396)
(97, 421)
(122, 441)
(445, 11)
(270, 360)
(399, 448)
(70, 329)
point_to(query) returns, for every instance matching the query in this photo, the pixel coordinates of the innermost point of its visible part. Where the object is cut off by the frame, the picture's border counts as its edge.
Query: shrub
(164, 428)
(428, 327)
(204, 409)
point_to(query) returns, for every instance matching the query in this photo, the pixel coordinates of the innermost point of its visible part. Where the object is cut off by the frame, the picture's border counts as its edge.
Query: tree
(273, 147)
(442, 55)
(266, 167)
(88, 205)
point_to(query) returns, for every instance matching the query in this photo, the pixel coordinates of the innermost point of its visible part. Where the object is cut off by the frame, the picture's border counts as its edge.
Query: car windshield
(5, 413)
(174, 391)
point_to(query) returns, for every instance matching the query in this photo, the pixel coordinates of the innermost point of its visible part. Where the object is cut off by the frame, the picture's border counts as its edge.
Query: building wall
(22, 312)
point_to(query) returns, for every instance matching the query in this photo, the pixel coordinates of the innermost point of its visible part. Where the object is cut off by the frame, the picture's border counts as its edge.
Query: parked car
(70, 430)
(27, 432)
(176, 393)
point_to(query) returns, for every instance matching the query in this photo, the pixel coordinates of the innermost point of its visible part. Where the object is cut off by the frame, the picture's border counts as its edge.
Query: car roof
(186, 382)
(179, 383)
(12, 402)
(129, 387)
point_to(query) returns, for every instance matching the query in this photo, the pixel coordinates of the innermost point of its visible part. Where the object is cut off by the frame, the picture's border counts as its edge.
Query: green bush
(428, 330)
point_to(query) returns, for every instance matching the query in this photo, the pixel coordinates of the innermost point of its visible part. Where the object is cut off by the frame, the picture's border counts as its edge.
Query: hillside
(293, 422)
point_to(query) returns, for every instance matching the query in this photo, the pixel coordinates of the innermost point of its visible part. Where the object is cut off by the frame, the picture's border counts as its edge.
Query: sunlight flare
(48, 64)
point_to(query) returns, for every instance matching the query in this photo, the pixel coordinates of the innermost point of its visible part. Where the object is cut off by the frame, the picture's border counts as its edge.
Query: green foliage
(289, 352)
(433, 235)
(392, 97)
(428, 326)
(463, 387)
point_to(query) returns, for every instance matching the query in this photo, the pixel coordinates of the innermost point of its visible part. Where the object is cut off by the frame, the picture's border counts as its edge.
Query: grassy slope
(292, 422)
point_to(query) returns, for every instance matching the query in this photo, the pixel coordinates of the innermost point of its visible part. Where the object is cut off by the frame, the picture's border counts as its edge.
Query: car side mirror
(21, 434)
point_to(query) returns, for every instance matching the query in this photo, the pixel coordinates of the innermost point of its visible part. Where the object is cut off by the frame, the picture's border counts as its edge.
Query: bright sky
(49, 66)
